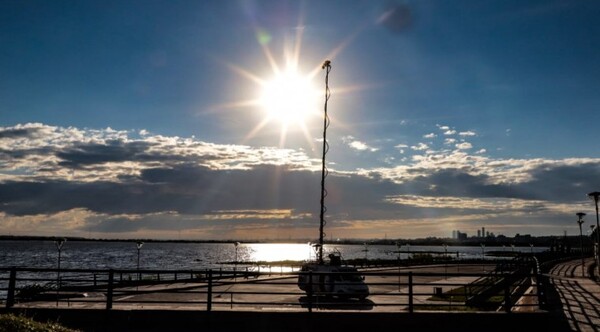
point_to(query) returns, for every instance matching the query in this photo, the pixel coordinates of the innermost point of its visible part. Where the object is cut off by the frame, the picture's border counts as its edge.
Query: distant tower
(483, 231)
(454, 234)
(478, 233)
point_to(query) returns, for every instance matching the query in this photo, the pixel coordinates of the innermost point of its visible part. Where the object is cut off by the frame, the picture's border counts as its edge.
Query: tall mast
(327, 66)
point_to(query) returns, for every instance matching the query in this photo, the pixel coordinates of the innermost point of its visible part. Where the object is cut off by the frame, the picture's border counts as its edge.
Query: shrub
(13, 323)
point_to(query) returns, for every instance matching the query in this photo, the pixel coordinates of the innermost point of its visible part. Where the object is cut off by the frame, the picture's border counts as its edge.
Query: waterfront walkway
(579, 294)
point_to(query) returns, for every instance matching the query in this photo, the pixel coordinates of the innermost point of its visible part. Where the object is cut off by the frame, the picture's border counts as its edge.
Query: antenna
(327, 66)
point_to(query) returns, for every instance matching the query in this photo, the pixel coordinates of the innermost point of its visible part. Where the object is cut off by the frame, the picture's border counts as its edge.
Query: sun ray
(256, 129)
(333, 54)
(283, 135)
(298, 40)
(270, 58)
(245, 73)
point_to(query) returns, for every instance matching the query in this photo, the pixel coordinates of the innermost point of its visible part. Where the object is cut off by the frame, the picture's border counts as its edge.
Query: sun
(289, 98)
(286, 96)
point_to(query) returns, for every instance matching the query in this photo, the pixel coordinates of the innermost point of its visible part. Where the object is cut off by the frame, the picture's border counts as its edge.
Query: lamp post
(580, 221)
(531, 247)
(59, 244)
(398, 245)
(138, 246)
(595, 195)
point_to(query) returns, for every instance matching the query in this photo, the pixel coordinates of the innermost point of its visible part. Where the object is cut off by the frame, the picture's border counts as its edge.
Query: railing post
(10, 296)
(109, 290)
(310, 290)
(209, 292)
(410, 293)
(507, 301)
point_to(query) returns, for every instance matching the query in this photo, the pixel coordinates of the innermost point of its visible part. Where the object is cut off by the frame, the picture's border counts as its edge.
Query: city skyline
(189, 120)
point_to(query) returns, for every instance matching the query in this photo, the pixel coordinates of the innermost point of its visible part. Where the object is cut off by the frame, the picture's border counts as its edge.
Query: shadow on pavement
(334, 303)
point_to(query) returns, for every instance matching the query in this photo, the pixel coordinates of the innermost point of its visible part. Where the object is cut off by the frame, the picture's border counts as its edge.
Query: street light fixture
(595, 195)
(580, 221)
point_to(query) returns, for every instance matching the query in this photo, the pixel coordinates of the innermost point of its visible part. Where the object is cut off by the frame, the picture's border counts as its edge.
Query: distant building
(478, 233)
(483, 231)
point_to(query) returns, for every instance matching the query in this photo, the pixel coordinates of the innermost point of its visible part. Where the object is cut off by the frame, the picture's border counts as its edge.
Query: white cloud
(450, 132)
(430, 135)
(481, 151)
(420, 147)
(464, 146)
(467, 133)
(37, 151)
(358, 145)
(449, 141)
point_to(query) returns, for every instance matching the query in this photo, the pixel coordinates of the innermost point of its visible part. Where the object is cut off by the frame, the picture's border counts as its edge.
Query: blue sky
(140, 118)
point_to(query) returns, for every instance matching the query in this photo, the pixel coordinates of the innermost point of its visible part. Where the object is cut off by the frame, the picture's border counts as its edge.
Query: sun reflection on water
(273, 252)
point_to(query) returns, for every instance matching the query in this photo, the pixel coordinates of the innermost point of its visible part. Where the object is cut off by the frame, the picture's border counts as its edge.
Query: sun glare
(289, 98)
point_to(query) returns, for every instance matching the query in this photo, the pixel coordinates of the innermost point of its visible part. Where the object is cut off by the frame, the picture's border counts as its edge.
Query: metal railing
(391, 289)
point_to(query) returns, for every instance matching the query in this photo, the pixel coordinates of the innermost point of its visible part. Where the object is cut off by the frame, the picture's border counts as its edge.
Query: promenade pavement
(280, 293)
(579, 294)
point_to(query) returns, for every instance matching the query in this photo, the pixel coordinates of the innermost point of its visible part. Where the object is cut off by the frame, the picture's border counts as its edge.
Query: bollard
(209, 291)
(109, 290)
(507, 301)
(310, 291)
(10, 296)
(410, 292)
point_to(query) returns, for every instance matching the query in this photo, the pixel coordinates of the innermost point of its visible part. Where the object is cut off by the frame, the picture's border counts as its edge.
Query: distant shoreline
(523, 241)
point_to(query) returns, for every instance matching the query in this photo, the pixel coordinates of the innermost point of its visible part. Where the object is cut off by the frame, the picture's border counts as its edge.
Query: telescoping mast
(331, 279)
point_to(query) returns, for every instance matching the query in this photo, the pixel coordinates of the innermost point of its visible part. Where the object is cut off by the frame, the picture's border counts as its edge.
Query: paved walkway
(580, 295)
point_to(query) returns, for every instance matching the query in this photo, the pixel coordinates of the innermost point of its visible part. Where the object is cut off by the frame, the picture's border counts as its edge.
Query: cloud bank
(111, 183)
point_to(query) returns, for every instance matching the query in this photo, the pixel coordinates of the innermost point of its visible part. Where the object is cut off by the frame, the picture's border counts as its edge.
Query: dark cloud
(17, 132)
(564, 183)
(111, 151)
(188, 189)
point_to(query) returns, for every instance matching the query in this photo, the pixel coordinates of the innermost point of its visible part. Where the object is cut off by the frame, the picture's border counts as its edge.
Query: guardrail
(391, 289)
